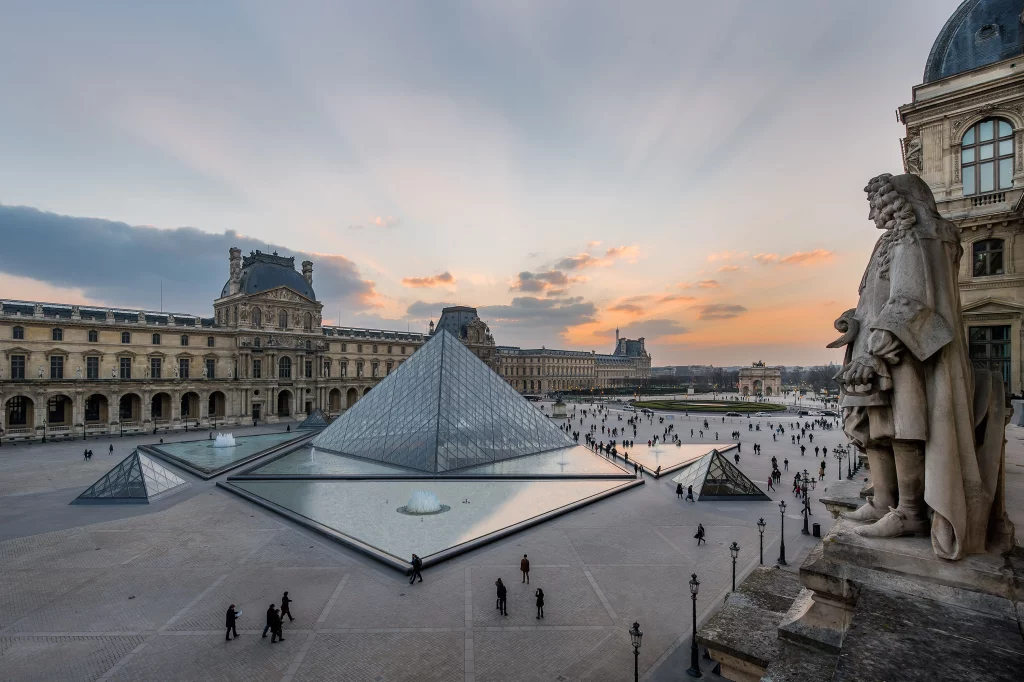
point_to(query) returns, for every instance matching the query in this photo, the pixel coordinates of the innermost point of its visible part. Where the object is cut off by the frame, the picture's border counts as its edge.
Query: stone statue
(175, 372)
(113, 372)
(204, 372)
(932, 426)
(912, 153)
(40, 371)
(78, 373)
(145, 372)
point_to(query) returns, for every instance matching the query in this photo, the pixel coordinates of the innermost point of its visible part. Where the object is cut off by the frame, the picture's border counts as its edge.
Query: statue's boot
(909, 516)
(886, 491)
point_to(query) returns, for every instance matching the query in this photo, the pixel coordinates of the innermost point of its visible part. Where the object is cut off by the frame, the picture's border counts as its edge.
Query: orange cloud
(587, 260)
(444, 279)
(729, 268)
(796, 258)
(702, 284)
(726, 255)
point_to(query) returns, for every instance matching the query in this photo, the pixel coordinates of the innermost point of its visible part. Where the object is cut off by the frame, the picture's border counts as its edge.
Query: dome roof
(980, 32)
(263, 272)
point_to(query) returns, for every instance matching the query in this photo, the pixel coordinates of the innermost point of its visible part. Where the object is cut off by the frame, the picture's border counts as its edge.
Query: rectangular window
(990, 347)
(19, 332)
(183, 367)
(156, 339)
(309, 369)
(56, 366)
(92, 368)
(388, 367)
(344, 369)
(184, 340)
(17, 411)
(359, 370)
(389, 350)
(257, 369)
(58, 334)
(155, 368)
(211, 366)
(17, 366)
(209, 342)
(344, 348)
(126, 337)
(375, 369)
(403, 350)
(125, 367)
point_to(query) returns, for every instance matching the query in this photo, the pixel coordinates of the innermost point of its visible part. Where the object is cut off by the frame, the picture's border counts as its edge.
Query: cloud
(650, 329)
(422, 310)
(634, 308)
(702, 284)
(532, 312)
(122, 265)
(671, 298)
(586, 260)
(719, 311)
(593, 245)
(540, 282)
(726, 255)
(796, 258)
(377, 222)
(444, 279)
(729, 268)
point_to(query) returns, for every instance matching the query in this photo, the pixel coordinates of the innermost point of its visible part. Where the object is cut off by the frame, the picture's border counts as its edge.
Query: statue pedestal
(844, 564)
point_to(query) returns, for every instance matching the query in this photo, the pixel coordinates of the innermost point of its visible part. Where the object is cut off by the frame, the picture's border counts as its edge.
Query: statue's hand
(884, 344)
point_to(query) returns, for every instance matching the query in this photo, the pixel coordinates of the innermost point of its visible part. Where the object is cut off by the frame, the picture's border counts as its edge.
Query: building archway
(351, 397)
(757, 387)
(768, 390)
(190, 406)
(160, 407)
(334, 400)
(129, 408)
(19, 413)
(59, 410)
(367, 390)
(215, 405)
(284, 403)
(97, 409)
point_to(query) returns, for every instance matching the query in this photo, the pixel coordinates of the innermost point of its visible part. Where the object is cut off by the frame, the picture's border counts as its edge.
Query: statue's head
(899, 201)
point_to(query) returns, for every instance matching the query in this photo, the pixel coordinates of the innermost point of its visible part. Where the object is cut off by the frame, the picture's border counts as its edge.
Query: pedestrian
(286, 609)
(502, 598)
(232, 616)
(700, 534)
(524, 566)
(737, 458)
(278, 628)
(417, 566)
(271, 625)
(770, 477)
(786, 463)
(111, 448)
(540, 603)
(679, 490)
(689, 493)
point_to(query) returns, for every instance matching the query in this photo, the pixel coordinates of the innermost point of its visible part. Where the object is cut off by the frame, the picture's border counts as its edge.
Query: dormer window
(986, 157)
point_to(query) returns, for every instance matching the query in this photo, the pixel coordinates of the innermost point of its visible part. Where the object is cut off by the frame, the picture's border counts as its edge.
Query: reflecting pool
(202, 455)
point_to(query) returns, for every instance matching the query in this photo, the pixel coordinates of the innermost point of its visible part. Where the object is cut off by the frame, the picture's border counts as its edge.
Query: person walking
(497, 594)
(286, 609)
(417, 566)
(524, 566)
(785, 463)
(111, 448)
(689, 493)
(540, 603)
(271, 625)
(232, 616)
(770, 477)
(679, 490)
(502, 598)
(700, 534)
(278, 630)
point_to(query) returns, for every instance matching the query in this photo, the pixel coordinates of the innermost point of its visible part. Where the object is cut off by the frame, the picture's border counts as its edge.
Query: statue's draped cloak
(910, 289)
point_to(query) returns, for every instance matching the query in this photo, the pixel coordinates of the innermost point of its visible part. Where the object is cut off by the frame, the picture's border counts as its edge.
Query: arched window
(257, 317)
(19, 332)
(307, 321)
(986, 157)
(94, 336)
(282, 319)
(988, 257)
(284, 368)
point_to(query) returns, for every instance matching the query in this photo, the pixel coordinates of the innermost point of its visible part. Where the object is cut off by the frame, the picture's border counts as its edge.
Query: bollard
(816, 530)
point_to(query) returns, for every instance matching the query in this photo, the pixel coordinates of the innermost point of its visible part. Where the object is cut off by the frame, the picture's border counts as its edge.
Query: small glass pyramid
(714, 477)
(442, 409)
(136, 479)
(316, 420)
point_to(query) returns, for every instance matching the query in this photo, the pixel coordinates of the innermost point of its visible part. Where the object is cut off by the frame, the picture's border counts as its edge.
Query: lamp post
(806, 508)
(849, 471)
(734, 549)
(838, 454)
(635, 635)
(694, 670)
(44, 430)
(782, 534)
(760, 529)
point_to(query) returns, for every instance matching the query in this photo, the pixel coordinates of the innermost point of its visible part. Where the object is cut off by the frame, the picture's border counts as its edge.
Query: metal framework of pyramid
(715, 478)
(136, 479)
(316, 420)
(442, 409)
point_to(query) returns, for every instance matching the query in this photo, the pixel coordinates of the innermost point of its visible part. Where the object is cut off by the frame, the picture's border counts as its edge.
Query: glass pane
(1000, 350)
(978, 351)
(985, 131)
(1005, 173)
(1004, 129)
(1006, 148)
(979, 333)
(1000, 333)
(986, 151)
(967, 155)
(995, 263)
(986, 177)
(969, 137)
(969, 187)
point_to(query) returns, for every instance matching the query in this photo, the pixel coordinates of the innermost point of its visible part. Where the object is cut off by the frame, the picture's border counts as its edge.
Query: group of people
(502, 591)
(275, 621)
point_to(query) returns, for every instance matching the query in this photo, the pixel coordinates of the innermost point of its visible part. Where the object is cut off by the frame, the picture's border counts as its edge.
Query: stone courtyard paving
(139, 592)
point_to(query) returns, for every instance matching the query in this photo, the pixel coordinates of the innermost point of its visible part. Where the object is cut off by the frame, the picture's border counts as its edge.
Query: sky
(688, 172)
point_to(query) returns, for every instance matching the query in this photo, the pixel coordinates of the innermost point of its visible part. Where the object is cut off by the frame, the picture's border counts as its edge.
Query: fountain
(422, 503)
(224, 440)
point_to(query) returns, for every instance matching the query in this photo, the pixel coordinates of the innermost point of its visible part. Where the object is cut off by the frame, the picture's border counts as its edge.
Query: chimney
(307, 271)
(234, 269)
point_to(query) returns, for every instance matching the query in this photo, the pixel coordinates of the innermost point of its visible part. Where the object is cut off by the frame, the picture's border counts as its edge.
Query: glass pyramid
(714, 477)
(136, 479)
(442, 409)
(316, 420)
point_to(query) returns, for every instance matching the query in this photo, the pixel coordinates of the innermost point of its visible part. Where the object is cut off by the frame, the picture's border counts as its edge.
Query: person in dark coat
(286, 609)
(271, 625)
(540, 603)
(229, 621)
(497, 596)
(417, 565)
(502, 596)
(111, 448)
(689, 493)
(277, 631)
(679, 490)
(700, 534)
(524, 566)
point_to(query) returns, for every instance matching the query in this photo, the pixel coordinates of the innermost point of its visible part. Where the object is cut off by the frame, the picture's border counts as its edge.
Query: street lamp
(806, 508)
(635, 635)
(838, 454)
(760, 529)
(694, 670)
(734, 549)
(782, 534)
(849, 471)
(44, 430)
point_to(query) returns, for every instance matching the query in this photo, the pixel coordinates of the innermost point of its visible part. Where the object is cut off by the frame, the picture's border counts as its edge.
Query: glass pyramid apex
(316, 420)
(714, 477)
(442, 409)
(136, 478)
